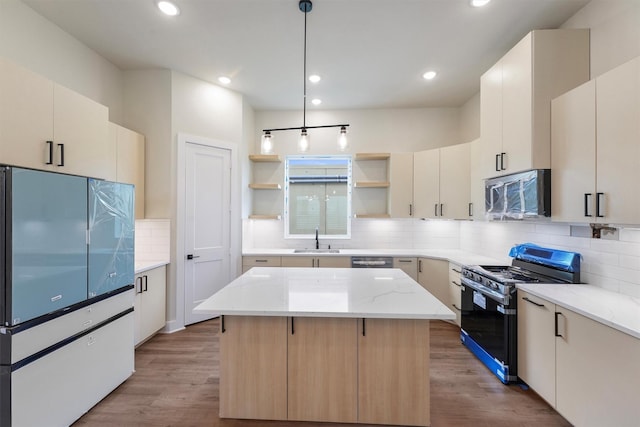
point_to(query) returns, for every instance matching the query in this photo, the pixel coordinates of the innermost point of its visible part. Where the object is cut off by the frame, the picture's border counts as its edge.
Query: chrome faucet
(317, 241)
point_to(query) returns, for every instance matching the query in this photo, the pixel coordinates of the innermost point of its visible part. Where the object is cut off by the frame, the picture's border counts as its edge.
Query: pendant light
(266, 145)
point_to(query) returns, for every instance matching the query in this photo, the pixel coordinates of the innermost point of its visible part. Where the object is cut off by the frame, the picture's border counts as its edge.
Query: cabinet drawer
(46, 334)
(261, 261)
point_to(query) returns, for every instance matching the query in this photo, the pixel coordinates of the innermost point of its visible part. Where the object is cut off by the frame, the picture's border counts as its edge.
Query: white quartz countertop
(453, 255)
(142, 266)
(326, 292)
(621, 312)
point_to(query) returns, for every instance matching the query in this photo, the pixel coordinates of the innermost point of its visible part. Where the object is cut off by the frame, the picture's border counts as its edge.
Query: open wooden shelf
(372, 184)
(372, 156)
(372, 216)
(265, 158)
(265, 186)
(265, 217)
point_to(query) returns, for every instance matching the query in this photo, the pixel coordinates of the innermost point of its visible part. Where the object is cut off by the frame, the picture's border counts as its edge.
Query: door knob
(191, 256)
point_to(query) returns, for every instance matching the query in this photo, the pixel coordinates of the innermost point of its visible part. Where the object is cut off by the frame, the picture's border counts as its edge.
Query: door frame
(234, 219)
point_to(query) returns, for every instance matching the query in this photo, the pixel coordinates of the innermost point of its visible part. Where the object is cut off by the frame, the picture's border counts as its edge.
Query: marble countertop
(621, 312)
(326, 292)
(453, 255)
(142, 266)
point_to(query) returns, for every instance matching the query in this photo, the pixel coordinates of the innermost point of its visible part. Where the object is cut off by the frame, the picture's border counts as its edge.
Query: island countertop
(326, 292)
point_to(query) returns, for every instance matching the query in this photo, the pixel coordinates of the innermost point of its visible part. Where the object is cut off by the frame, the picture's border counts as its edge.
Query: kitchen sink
(316, 251)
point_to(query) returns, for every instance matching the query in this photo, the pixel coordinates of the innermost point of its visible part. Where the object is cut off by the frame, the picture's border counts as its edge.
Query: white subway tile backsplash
(153, 239)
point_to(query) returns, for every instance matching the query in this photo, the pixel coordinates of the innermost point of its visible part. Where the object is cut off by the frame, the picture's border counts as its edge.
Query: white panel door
(207, 225)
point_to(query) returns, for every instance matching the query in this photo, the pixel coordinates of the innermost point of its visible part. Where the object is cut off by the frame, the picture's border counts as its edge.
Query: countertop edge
(396, 316)
(142, 266)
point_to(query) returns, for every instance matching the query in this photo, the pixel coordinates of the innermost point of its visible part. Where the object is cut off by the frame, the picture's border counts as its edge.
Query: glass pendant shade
(303, 142)
(266, 144)
(343, 141)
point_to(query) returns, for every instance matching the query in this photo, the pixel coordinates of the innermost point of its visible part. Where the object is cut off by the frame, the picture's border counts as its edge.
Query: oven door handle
(502, 299)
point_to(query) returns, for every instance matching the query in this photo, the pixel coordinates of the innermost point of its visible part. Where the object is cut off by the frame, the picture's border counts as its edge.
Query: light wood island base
(328, 369)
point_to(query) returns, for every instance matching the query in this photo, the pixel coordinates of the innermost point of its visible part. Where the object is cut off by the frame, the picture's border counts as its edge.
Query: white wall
(383, 130)
(28, 39)
(470, 119)
(615, 32)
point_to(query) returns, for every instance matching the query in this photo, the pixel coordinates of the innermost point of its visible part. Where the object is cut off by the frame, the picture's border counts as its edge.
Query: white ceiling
(370, 53)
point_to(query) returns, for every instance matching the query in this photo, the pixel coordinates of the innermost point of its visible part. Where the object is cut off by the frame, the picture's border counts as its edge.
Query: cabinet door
(454, 181)
(333, 262)
(393, 372)
(517, 116)
(536, 345)
(476, 180)
(401, 185)
(408, 265)
(426, 177)
(491, 121)
(82, 127)
(455, 291)
(618, 147)
(597, 373)
(298, 261)
(433, 275)
(150, 304)
(130, 162)
(322, 370)
(253, 384)
(26, 117)
(573, 154)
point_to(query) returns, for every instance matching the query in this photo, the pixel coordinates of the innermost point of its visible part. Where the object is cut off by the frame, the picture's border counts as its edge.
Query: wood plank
(393, 372)
(372, 184)
(265, 186)
(372, 156)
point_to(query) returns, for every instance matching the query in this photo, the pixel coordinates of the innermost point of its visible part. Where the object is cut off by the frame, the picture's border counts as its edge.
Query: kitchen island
(332, 345)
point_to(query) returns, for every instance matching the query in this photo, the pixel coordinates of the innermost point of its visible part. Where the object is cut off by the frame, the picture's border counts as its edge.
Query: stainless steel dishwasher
(371, 262)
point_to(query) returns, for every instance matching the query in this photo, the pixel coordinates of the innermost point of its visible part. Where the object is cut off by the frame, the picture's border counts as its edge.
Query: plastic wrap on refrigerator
(111, 236)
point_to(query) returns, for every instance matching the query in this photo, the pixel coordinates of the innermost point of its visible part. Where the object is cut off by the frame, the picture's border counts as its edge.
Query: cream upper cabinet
(617, 198)
(130, 161)
(26, 117)
(476, 182)
(46, 126)
(515, 97)
(441, 182)
(401, 185)
(426, 183)
(595, 150)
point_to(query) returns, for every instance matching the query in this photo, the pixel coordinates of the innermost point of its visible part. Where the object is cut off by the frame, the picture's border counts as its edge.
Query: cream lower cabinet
(317, 262)
(46, 126)
(592, 368)
(253, 383)
(433, 275)
(455, 290)
(322, 370)
(595, 153)
(150, 303)
(409, 265)
(391, 355)
(248, 262)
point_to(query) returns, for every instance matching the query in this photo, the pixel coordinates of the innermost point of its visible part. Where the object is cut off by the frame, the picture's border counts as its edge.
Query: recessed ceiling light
(429, 75)
(479, 3)
(314, 78)
(224, 80)
(316, 101)
(168, 8)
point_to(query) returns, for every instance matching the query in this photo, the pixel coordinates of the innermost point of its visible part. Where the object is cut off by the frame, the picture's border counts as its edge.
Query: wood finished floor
(176, 384)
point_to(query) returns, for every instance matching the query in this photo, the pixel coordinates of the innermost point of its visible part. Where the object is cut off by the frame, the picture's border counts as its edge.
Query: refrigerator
(66, 294)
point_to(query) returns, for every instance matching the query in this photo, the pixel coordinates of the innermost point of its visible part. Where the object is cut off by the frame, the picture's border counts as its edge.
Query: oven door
(489, 329)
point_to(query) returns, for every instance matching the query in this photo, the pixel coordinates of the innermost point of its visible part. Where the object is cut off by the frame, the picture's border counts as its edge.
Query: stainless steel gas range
(489, 317)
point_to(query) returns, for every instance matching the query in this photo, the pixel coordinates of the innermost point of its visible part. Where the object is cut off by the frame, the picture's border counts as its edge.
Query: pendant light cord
(304, 74)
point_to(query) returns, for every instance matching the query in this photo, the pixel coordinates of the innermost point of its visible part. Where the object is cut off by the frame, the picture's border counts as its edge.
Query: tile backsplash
(152, 239)
(610, 264)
